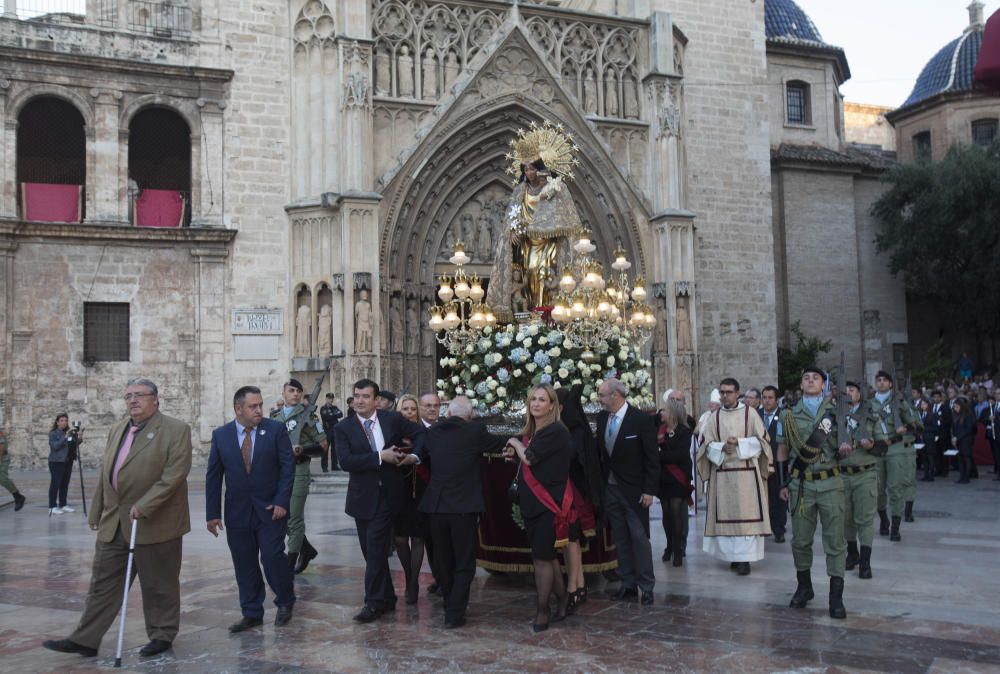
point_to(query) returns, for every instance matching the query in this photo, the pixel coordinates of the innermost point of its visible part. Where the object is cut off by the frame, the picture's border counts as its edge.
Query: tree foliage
(939, 223)
(937, 365)
(791, 361)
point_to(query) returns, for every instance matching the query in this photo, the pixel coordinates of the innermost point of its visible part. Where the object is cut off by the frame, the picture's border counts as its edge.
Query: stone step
(328, 483)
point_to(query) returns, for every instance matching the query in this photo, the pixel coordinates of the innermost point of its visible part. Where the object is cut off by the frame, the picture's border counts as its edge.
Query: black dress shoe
(626, 593)
(245, 624)
(452, 624)
(283, 617)
(154, 647)
(734, 566)
(743, 568)
(67, 646)
(368, 614)
(433, 588)
(18, 501)
(647, 599)
(779, 538)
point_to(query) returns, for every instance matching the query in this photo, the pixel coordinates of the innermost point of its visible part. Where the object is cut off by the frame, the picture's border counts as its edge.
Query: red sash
(585, 514)
(565, 514)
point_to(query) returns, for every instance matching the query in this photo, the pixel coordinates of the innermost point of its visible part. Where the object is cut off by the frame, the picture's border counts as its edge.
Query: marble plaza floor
(933, 606)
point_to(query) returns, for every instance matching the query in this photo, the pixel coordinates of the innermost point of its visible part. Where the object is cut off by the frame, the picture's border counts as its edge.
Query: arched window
(984, 131)
(51, 161)
(922, 146)
(797, 104)
(159, 169)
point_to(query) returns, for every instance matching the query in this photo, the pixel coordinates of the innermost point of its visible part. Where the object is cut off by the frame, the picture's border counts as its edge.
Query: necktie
(123, 454)
(247, 447)
(369, 424)
(612, 433)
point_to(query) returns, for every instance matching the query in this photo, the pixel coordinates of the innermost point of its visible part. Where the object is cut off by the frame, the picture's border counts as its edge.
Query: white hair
(460, 407)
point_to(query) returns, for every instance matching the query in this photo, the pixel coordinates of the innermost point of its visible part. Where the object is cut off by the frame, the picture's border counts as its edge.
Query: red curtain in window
(46, 202)
(159, 208)
(988, 64)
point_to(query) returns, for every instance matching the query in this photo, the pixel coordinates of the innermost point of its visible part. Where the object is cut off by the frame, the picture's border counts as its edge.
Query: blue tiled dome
(950, 69)
(784, 20)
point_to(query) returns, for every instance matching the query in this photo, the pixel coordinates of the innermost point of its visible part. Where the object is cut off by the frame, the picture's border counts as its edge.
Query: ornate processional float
(549, 315)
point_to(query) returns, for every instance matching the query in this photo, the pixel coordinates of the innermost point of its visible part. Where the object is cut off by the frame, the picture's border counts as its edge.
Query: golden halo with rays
(548, 142)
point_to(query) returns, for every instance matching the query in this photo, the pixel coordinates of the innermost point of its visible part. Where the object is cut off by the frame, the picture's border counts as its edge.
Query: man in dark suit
(626, 442)
(942, 408)
(772, 424)
(454, 501)
(368, 448)
(254, 455)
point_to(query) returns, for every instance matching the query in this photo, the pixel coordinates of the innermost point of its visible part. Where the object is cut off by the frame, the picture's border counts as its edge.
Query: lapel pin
(150, 435)
(262, 431)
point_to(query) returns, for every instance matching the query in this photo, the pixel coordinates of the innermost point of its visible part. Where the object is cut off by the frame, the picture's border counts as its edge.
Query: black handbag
(512, 488)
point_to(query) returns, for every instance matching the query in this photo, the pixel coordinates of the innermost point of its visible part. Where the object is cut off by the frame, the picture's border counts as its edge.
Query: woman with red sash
(545, 495)
(674, 440)
(411, 530)
(588, 487)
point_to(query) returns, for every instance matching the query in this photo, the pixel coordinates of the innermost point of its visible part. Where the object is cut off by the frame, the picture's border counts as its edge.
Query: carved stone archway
(462, 155)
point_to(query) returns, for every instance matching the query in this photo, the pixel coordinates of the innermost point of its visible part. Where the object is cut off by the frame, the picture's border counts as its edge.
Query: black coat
(964, 431)
(455, 447)
(675, 451)
(635, 460)
(368, 476)
(550, 452)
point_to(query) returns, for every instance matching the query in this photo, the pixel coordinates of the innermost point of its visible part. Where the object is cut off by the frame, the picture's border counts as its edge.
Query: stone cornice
(113, 65)
(104, 233)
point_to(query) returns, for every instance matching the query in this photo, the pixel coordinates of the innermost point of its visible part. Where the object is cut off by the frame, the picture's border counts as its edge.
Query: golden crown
(548, 142)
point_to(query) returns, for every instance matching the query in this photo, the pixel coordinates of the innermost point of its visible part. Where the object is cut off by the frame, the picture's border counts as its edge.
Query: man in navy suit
(630, 462)
(368, 448)
(254, 455)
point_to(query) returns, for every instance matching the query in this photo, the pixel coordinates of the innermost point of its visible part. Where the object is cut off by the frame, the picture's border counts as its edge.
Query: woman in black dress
(674, 440)
(410, 528)
(545, 451)
(963, 432)
(585, 476)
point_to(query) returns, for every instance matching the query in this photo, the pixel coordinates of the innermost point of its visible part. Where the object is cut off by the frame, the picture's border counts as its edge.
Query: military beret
(815, 370)
(883, 374)
(854, 384)
(295, 383)
(388, 395)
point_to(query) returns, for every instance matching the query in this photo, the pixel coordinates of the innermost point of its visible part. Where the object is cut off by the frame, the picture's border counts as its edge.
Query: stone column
(208, 208)
(356, 147)
(210, 338)
(359, 227)
(8, 246)
(8, 156)
(106, 181)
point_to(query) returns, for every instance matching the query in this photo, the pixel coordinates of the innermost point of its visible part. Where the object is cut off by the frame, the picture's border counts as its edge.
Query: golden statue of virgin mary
(540, 224)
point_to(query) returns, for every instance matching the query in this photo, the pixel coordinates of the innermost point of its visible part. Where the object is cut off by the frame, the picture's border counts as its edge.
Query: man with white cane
(143, 477)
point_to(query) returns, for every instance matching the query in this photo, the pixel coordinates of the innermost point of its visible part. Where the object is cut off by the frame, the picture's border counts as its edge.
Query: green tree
(939, 223)
(937, 365)
(791, 361)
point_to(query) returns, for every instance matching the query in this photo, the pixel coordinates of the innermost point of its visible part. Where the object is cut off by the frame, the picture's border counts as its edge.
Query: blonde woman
(545, 451)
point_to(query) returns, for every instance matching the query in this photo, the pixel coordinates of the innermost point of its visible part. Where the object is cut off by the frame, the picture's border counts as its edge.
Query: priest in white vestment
(734, 460)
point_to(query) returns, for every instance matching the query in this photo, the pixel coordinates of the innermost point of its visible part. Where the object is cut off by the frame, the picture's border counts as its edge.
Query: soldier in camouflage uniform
(857, 470)
(893, 425)
(305, 430)
(5, 480)
(815, 490)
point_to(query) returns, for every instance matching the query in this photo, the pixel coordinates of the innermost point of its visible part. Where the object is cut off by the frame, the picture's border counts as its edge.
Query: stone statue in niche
(684, 342)
(660, 330)
(412, 325)
(467, 233)
(396, 324)
(428, 75)
(484, 239)
(449, 241)
(404, 70)
(590, 92)
(427, 342)
(303, 331)
(451, 69)
(363, 324)
(631, 99)
(383, 70)
(611, 94)
(324, 331)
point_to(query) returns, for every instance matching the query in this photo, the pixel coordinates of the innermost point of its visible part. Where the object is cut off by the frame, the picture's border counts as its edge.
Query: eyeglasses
(135, 396)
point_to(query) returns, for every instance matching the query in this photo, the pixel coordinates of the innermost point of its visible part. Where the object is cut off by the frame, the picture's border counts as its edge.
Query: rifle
(307, 413)
(842, 435)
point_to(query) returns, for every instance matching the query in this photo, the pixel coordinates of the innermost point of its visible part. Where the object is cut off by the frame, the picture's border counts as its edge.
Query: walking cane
(128, 576)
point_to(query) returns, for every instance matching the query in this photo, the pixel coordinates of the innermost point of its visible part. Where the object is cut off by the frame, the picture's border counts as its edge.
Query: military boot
(883, 526)
(865, 568)
(307, 554)
(837, 609)
(292, 559)
(804, 591)
(894, 536)
(908, 512)
(852, 556)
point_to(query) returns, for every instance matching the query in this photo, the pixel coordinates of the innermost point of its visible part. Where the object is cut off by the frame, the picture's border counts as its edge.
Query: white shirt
(241, 435)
